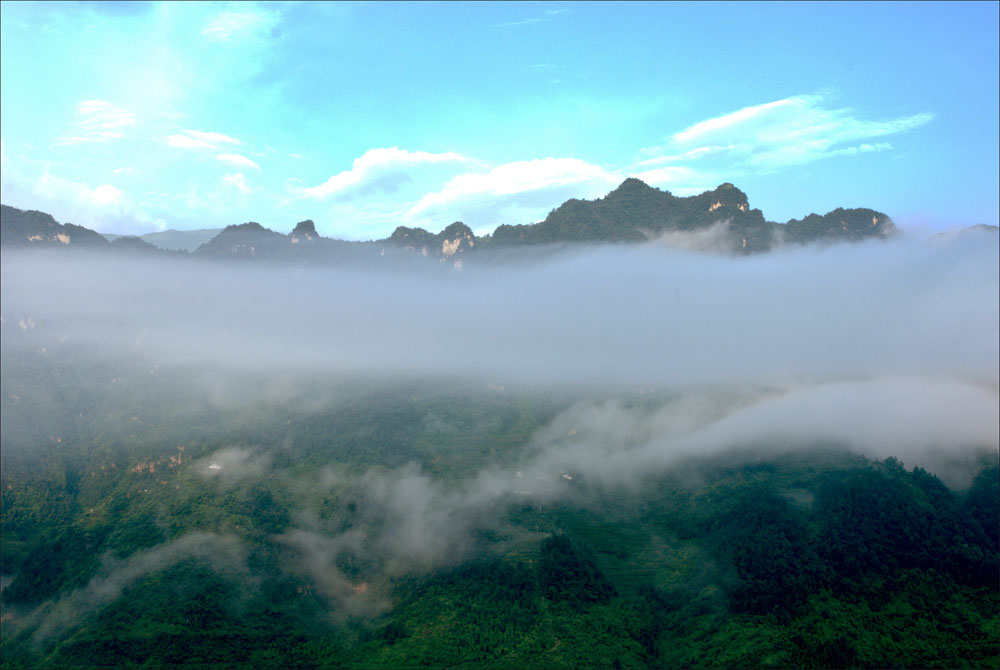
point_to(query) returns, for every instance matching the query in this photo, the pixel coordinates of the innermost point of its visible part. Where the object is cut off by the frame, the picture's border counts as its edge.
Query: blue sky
(364, 116)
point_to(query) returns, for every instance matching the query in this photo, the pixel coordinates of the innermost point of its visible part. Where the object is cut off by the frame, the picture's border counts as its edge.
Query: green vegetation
(635, 212)
(818, 559)
(203, 518)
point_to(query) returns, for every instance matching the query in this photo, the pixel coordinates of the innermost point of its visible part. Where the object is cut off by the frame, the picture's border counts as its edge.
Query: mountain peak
(245, 239)
(304, 230)
(455, 229)
(248, 227)
(726, 194)
(631, 186)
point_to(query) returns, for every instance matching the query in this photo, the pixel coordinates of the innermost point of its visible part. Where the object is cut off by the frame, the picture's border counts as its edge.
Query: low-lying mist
(884, 348)
(610, 316)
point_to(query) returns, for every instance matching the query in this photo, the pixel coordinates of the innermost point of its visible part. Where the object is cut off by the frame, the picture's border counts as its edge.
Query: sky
(132, 118)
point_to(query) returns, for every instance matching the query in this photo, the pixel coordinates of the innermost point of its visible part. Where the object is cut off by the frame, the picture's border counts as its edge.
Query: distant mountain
(979, 228)
(244, 240)
(137, 245)
(254, 241)
(175, 240)
(632, 213)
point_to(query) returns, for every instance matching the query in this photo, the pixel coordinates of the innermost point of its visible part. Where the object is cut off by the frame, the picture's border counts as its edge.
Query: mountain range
(634, 212)
(174, 240)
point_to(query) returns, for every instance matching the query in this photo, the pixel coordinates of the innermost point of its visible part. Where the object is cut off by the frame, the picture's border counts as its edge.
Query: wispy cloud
(187, 142)
(223, 553)
(546, 16)
(781, 134)
(518, 177)
(678, 179)
(197, 139)
(377, 164)
(249, 22)
(238, 181)
(212, 138)
(101, 121)
(237, 160)
(507, 193)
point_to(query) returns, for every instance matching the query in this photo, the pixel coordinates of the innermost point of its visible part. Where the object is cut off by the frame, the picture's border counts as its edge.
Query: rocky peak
(248, 227)
(629, 187)
(456, 238)
(727, 196)
(304, 231)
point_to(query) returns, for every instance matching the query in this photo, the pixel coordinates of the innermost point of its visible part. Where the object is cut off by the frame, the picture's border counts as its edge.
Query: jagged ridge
(634, 212)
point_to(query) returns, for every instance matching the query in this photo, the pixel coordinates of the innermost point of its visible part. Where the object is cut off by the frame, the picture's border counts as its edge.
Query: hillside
(123, 545)
(20, 228)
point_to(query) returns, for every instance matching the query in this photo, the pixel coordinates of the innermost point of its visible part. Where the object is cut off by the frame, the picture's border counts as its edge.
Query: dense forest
(123, 546)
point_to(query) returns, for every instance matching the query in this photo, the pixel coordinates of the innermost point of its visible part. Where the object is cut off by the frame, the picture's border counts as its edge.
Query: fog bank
(610, 316)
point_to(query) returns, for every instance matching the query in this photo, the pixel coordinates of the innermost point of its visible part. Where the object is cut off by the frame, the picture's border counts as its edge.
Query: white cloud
(678, 179)
(237, 160)
(236, 26)
(101, 122)
(862, 149)
(422, 189)
(103, 207)
(198, 139)
(661, 159)
(238, 181)
(733, 120)
(105, 195)
(51, 186)
(516, 177)
(517, 192)
(376, 163)
(781, 134)
(212, 138)
(186, 142)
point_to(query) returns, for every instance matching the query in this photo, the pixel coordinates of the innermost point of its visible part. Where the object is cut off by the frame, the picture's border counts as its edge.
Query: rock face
(632, 213)
(452, 243)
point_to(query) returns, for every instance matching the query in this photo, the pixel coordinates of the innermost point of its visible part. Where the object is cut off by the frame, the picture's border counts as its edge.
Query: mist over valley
(499, 335)
(362, 427)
